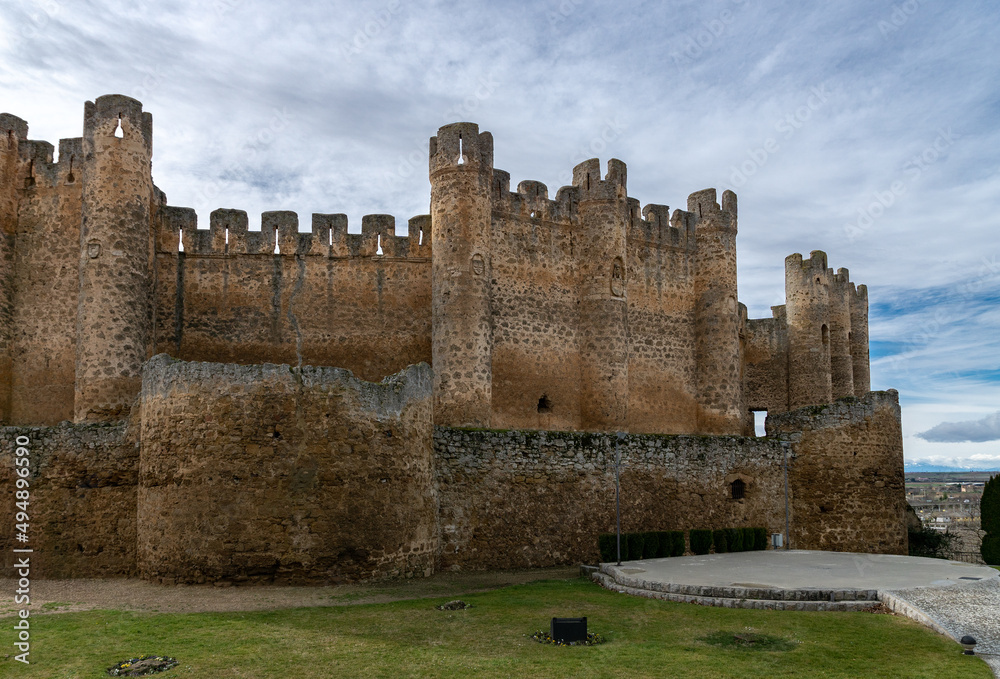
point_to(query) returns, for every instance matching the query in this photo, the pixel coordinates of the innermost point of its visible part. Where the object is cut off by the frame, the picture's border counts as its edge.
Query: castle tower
(461, 175)
(114, 321)
(841, 364)
(807, 306)
(603, 214)
(13, 131)
(717, 318)
(859, 339)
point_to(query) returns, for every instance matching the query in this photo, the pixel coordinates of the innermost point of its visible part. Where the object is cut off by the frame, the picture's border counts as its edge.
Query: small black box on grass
(568, 629)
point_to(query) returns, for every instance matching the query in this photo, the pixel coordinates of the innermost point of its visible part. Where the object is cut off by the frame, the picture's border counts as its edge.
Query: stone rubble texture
(573, 315)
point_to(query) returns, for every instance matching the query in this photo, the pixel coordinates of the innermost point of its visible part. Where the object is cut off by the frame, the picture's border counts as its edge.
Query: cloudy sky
(868, 129)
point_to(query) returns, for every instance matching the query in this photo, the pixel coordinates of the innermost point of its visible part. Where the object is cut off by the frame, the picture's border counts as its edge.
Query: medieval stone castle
(223, 404)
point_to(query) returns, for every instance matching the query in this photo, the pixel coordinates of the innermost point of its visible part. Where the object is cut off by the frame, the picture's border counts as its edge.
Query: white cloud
(986, 429)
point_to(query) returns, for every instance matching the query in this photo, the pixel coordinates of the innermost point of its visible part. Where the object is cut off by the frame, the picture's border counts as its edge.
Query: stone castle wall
(329, 298)
(82, 499)
(47, 276)
(847, 474)
(271, 474)
(526, 499)
(230, 473)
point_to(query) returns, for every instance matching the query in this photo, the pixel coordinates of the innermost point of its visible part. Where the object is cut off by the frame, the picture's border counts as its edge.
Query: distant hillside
(910, 467)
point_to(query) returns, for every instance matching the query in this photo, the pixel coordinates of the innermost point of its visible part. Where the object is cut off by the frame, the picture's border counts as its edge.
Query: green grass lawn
(410, 638)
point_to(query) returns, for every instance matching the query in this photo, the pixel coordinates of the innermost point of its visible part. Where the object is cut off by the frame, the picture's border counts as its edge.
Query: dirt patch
(67, 596)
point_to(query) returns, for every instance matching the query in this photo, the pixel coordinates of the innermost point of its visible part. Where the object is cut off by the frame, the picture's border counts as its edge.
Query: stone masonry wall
(265, 473)
(82, 501)
(46, 284)
(520, 499)
(328, 297)
(847, 474)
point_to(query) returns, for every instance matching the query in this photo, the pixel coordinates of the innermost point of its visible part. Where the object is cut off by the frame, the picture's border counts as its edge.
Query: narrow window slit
(461, 155)
(180, 240)
(378, 251)
(119, 131)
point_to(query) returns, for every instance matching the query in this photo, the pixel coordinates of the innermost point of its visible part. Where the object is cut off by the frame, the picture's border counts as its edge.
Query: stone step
(613, 578)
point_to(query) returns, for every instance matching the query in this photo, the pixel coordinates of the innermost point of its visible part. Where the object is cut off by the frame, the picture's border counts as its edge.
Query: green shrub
(701, 541)
(719, 541)
(734, 539)
(990, 549)
(634, 546)
(677, 546)
(931, 543)
(760, 538)
(989, 507)
(650, 545)
(607, 544)
(748, 540)
(663, 544)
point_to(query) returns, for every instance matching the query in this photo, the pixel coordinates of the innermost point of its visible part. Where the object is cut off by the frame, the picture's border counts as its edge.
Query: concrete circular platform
(800, 569)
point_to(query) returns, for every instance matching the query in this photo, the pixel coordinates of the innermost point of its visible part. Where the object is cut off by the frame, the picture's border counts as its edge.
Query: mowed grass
(411, 639)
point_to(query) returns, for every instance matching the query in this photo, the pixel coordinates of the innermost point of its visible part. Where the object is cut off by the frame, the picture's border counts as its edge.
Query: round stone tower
(461, 175)
(807, 305)
(859, 339)
(114, 320)
(602, 211)
(717, 315)
(13, 130)
(841, 364)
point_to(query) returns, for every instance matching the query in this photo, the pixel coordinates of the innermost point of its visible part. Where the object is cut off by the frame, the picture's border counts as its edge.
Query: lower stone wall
(268, 473)
(520, 499)
(82, 499)
(847, 474)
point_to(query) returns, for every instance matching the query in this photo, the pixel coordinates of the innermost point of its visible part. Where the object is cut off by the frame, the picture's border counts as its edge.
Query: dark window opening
(825, 331)
(544, 404)
(738, 489)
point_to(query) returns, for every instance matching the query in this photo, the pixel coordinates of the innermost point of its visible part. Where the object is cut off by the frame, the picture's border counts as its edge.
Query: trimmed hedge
(634, 541)
(662, 544)
(734, 539)
(650, 545)
(677, 546)
(701, 541)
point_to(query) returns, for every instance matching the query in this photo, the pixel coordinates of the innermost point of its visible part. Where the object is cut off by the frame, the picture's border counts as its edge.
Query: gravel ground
(964, 609)
(64, 596)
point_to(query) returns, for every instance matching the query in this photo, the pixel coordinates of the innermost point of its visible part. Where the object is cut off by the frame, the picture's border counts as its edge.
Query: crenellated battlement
(613, 187)
(655, 227)
(115, 118)
(704, 206)
(460, 146)
(228, 235)
(812, 270)
(13, 129)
